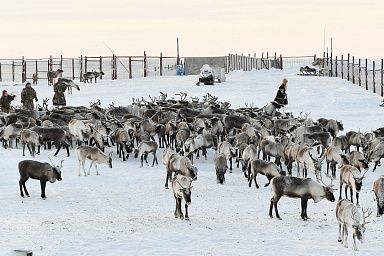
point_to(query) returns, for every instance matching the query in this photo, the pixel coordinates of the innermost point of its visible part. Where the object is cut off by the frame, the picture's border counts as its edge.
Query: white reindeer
(349, 217)
(95, 155)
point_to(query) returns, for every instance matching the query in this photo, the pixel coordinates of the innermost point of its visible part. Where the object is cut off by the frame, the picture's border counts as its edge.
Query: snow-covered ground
(127, 211)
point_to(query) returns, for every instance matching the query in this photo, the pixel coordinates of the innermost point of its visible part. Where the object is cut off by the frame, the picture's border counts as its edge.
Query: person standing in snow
(5, 101)
(281, 96)
(27, 96)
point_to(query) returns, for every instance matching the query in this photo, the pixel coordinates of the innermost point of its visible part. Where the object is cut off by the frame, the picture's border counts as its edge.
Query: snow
(127, 211)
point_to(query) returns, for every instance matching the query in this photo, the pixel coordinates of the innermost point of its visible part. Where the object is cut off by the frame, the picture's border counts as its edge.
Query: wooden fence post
(23, 70)
(1, 79)
(281, 62)
(13, 71)
(145, 64)
(61, 62)
(73, 68)
(373, 77)
(130, 67)
(85, 64)
(359, 72)
(348, 68)
(81, 68)
(161, 64)
(336, 66)
(36, 71)
(323, 62)
(353, 69)
(50, 63)
(331, 64)
(101, 67)
(366, 74)
(342, 67)
(381, 79)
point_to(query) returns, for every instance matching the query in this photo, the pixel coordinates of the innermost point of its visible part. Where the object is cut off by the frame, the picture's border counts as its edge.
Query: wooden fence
(247, 63)
(362, 72)
(113, 67)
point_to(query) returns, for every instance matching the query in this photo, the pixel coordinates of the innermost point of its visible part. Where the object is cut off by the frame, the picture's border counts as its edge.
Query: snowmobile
(206, 75)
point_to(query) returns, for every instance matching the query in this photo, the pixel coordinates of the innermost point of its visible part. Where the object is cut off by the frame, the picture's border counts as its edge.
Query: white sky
(39, 28)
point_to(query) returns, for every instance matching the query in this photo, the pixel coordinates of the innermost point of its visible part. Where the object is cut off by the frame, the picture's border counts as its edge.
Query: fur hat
(285, 80)
(27, 83)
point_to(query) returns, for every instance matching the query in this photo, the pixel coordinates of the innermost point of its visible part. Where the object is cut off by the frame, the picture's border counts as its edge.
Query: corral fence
(366, 73)
(113, 67)
(248, 62)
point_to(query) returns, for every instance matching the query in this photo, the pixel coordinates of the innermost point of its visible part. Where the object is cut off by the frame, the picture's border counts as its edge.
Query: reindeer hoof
(339, 240)
(187, 218)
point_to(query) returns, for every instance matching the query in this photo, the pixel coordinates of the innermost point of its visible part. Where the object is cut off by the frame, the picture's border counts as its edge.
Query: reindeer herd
(253, 140)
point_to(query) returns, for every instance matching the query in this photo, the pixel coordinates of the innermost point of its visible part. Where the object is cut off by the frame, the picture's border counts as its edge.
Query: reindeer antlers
(366, 214)
(182, 95)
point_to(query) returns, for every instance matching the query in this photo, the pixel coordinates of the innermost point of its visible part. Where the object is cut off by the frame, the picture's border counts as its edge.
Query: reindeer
(221, 167)
(38, 171)
(52, 75)
(270, 170)
(378, 189)
(95, 155)
(342, 143)
(88, 77)
(181, 187)
(348, 217)
(98, 74)
(298, 188)
(334, 156)
(200, 141)
(305, 160)
(228, 151)
(124, 142)
(355, 139)
(351, 178)
(248, 154)
(144, 148)
(357, 159)
(30, 139)
(179, 165)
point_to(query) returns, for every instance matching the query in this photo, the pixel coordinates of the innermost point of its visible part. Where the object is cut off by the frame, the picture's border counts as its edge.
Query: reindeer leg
(304, 203)
(354, 242)
(250, 178)
(276, 210)
(345, 236)
(167, 178)
(341, 186)
(230, 163)
(271, 208)
(357, 199)
(339, 238)
(186, 212)
(351, 193)
(180, 212)
(97, 172)
(58, 149)
(176, 208)
(43, 183)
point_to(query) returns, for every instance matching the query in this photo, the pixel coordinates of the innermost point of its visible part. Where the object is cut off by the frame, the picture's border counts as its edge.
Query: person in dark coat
(58, 98)
(27, 96)
(5, 101)
(281, 95)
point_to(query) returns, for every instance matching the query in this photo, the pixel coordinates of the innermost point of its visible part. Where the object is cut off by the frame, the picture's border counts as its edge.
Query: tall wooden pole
(178, 53)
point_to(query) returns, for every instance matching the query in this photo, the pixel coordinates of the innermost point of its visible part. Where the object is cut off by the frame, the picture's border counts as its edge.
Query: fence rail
(114, 67)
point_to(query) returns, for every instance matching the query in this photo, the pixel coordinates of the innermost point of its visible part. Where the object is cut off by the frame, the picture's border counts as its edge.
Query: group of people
(28, 96)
